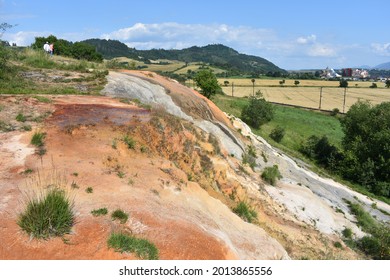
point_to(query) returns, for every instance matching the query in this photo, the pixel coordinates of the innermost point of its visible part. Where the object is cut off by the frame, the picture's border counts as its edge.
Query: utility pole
(232, 89)
(345, 94)
(320, 97)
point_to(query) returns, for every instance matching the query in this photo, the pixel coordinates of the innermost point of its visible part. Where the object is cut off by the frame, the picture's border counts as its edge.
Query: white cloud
(381, 49)
(322, 50)
(22, 38)
(176, 35)
(306, 40)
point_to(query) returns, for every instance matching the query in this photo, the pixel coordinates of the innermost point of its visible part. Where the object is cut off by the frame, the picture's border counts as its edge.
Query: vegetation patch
(271, 175)
(48, 215)
(120, 215)
(142, 248)
(99, 212)
(38, 139)
(245, 212)
(129, 141)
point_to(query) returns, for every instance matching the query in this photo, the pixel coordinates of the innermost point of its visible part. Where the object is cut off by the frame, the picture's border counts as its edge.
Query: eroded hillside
(173, 162)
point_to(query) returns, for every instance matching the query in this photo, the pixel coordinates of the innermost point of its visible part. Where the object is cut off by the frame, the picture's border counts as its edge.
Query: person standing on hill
(46, 47)
(51, 48)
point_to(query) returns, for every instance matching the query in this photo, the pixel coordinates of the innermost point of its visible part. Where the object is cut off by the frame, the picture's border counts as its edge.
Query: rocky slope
(178, 180)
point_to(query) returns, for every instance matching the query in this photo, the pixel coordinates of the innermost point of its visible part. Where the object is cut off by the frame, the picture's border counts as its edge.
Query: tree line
(77, 50)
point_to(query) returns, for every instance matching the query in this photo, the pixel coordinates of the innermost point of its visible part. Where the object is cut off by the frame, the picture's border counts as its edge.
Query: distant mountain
(383, 66)
(216, 55)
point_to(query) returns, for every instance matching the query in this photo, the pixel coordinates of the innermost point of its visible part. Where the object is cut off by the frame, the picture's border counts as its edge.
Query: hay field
(302, 83)
(171, 67)
(196, 67)
(309, 96)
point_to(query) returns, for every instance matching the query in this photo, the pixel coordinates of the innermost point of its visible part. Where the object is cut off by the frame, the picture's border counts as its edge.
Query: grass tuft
(245, 212)
(99, 212)
(271, 175)
(143, 248)
(120, 215)
(38, 138)
(48, 215)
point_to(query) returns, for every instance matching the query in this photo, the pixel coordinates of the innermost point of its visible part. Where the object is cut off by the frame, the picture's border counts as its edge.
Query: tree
(257, 112)
(366, 146)
(387, 83)
(343, 83)
(296, 83)
(63, 47)
(208, 83)
(4, 54)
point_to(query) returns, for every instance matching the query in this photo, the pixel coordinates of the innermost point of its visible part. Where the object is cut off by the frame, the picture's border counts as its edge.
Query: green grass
(21, 118)
(43, 99)
(271, 175)
(129, 141)
(142, 248)
(364, 219)
(299, 124)
(99, 212)
(48, 215)
(245, 212)
(120, 215)
(38, 139)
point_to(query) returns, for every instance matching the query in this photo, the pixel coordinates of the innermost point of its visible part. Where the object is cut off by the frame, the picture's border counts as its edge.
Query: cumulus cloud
(176, 35)
(322, 50)
(23, 38)
(381, 49)
(306, 40)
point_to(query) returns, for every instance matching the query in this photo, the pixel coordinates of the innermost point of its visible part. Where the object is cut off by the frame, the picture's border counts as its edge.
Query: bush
(335, 112)
(322, 151)
(129, 141)
(347, 233)
(99, 212)
(37, 139)
(257, 112)
(245, 212)
(271, 175)
(378, 244)
(49, 215)
(277, 134)
(120, 215)
(143, 248)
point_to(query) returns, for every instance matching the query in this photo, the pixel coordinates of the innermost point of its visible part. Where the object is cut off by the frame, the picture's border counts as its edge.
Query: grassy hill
(217, 55)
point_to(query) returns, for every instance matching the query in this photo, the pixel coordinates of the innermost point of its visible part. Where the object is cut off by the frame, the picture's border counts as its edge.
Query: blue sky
(292, 34)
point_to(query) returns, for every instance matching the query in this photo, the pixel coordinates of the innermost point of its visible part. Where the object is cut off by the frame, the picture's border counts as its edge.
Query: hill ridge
(217, 55)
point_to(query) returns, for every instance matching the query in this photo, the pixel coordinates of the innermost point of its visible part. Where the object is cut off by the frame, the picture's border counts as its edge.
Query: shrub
(347, 233)
(277, 134)
(89, 190)
(143, 248)
(129, 141)
(49, 215)
(250, 157)
(335, 112)
(245, 212)
(338, 245)
(374, 85)
(99, 212)
(271, 175)
(257, 112)
(120, 215)
(21, 118)
(37, 139)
